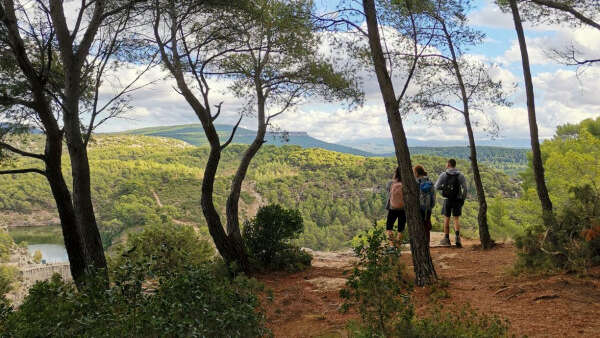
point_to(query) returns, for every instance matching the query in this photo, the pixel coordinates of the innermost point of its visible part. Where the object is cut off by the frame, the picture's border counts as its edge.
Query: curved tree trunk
(538, 166)
(232, 208)
(231, 248)
(423, 265)
(484, 233)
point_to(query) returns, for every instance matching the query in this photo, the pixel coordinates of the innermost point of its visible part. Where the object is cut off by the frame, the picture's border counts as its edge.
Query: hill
(383, 145)
(140, 180)
(510, 160)
(194, 134)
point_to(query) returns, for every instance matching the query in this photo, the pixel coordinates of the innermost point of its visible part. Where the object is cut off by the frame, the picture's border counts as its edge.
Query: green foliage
(8, 273)
(203, 305)
(572, 168)
(8, 277)
(380, 289)
(503, 218)
(37, 257)
(378, 286)
(6, 244)
(338, 195)
(164, 248)
(267, 237)
(464, 323)
(49, 234)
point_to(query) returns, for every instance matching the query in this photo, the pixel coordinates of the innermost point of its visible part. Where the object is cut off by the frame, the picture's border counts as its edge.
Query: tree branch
(218, 106)
(23, 171)
(10, 101)
(569, 9)
(21, 152)
(224, 145)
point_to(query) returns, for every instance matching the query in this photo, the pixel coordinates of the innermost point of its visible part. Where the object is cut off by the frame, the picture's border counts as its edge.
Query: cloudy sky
(562, 93)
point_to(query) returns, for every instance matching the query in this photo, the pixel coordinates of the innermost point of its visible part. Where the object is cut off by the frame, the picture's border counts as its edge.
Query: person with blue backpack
(453, 185)
(426, 197)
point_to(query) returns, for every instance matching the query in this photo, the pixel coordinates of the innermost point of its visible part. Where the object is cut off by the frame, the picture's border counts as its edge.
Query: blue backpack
(426, 194)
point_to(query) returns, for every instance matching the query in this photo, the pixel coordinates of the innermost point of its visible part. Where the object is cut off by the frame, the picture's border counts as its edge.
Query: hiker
(395, 208)
(426, 197)
(453, 185)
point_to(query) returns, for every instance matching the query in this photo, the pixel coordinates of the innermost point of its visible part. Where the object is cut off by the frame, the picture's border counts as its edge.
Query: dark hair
(398, 174)
(452, 163)
(419, 171)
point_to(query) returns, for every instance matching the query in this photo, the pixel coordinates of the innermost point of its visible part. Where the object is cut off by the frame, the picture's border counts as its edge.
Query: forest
(337, 194)
(210, 231)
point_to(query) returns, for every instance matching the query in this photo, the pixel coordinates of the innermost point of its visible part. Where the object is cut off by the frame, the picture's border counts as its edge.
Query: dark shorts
(394, 215)
(452, 207)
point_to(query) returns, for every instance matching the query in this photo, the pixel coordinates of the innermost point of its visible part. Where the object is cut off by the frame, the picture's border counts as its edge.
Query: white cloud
(561, 96)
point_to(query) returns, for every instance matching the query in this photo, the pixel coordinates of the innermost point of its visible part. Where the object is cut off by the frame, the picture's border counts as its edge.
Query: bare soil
(306, 304)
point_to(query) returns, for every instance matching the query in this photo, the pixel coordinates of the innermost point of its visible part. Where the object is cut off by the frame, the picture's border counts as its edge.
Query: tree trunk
(484, 233)
(68, 221)
(232, 209)
(230, 248)
(80, 170)
(423, 265)
(82, 248)
(538, 166)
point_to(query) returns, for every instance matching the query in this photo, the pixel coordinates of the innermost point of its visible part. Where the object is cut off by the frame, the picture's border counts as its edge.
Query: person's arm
(463, 183)
(440, 180)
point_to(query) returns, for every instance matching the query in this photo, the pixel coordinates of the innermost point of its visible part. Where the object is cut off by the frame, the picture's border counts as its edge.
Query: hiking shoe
(445, 241)
(458, 243)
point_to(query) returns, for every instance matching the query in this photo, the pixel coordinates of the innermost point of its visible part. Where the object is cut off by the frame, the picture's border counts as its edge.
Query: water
(51, 253)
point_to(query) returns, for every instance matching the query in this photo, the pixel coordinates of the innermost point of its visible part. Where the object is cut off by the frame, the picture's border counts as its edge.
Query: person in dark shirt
(453, 185)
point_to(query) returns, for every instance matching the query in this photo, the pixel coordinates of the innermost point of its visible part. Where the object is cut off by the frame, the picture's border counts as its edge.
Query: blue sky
(562, 94)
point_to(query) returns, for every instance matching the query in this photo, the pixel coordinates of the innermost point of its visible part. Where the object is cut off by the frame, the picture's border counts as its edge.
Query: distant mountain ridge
(383, 145)
(194, 134)
(509, 159)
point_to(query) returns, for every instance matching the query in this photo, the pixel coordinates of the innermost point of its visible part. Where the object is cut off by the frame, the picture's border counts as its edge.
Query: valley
(142, 180)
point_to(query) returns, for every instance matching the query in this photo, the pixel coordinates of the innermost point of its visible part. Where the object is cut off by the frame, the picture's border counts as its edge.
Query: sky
(563, 94)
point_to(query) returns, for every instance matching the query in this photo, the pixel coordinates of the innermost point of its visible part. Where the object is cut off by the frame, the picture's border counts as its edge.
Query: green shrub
(267, 237)
(380, 290)
(164, 248)
(199, 304)
(464, 323)
(572, 244)
(193, 302)
(378, 286)
(8, 276)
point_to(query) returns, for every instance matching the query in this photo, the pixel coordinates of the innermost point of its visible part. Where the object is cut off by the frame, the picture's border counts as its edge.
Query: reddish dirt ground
(306, 304)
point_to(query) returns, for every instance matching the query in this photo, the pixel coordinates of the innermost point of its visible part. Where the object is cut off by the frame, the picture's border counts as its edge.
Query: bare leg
(456, 224)
(447, 225)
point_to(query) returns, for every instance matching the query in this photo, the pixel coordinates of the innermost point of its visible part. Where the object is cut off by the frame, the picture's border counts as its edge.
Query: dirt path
(258, 201)
(306, 304)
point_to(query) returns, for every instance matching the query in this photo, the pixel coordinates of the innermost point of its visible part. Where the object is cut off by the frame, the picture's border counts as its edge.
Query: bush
(267, 237)
(572, 244)
(380, 289)
(378, 286)
(8, 276)
(191, 303)
(164, 248)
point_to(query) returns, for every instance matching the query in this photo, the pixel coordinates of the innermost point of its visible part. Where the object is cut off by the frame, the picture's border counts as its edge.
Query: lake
(52, 253)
